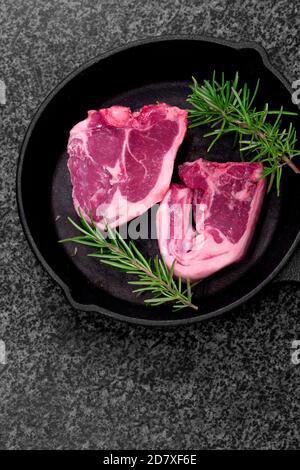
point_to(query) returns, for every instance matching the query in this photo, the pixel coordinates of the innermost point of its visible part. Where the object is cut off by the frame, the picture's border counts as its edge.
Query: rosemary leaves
(152, 276)
(228, 107)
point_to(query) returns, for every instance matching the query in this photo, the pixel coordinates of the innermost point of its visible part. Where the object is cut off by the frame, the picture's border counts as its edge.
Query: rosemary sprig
(153, 277)
(228, 107)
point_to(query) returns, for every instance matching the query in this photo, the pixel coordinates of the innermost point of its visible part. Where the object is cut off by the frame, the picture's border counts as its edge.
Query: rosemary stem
(290, 163)
(228, 107)
(287, 160)
(142, 268)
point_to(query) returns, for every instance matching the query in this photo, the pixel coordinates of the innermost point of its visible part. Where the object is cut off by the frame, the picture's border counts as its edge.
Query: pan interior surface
(143, 74)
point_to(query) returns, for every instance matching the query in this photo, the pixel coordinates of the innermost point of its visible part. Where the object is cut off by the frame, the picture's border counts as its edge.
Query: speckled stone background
(77, 380)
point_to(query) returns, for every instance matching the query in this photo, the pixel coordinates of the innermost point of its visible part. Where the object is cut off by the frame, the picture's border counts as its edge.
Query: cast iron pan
(134, 75)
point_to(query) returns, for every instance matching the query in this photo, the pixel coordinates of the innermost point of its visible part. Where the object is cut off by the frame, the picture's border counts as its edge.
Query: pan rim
(21, 212)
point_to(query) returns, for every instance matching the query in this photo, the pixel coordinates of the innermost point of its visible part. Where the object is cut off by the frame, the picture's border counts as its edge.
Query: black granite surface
(77, 380)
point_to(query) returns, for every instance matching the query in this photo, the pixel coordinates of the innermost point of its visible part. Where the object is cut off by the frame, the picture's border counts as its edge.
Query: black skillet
(134, 75)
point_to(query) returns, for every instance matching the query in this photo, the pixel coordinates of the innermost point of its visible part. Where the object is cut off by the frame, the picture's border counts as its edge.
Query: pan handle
(291, 272)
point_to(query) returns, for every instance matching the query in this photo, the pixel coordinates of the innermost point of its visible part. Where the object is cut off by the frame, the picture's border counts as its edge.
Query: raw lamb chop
(224, 199)
(121, 163)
